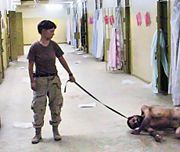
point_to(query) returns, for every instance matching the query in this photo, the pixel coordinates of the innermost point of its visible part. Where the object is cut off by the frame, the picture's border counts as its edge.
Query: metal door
(1, 55)
(19, 33)
(84, 28)
(127, 37)
(12, 35)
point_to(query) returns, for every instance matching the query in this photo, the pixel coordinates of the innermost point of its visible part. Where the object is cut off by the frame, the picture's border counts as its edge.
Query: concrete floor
(83, 130)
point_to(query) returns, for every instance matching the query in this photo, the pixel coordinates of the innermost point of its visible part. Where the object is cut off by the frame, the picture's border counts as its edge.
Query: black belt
(44, 75)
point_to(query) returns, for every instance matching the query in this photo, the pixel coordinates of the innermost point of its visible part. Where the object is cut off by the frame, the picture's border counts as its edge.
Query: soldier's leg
(55, 105)
(39, 107)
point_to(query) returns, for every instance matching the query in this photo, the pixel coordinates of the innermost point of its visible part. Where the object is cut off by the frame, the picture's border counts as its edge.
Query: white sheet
(174, 81)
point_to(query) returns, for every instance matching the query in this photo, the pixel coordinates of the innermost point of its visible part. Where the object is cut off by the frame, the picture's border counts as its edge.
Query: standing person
(45, 82)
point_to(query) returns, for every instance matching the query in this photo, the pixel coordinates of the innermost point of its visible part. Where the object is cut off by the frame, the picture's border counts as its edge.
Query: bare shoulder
(144, 106)
(145, 110)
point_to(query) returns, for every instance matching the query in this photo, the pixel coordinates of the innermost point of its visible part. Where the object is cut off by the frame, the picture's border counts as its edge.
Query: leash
(95, 99)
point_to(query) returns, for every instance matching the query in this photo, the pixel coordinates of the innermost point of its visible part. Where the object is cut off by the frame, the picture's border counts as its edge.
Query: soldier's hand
(33, 86)
(71, 78)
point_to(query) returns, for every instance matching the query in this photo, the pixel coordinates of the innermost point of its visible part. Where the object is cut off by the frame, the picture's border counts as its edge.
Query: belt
(44, 75)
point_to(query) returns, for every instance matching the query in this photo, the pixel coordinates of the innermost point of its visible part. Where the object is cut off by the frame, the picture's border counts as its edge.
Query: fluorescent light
(54, 6)
(60, 1)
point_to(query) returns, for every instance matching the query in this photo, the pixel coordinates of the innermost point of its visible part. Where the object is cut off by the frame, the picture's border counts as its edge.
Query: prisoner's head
(134, 121)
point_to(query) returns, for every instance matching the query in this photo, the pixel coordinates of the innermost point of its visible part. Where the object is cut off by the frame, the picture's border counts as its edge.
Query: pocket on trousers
(57, 82)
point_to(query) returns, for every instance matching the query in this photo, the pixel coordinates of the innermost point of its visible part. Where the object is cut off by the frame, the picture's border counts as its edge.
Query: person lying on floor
(155, 118)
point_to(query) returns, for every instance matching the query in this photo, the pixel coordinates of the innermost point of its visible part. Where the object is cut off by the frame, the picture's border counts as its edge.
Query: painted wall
(109, 3)
(33, 15)
(141, 38)
(90, 10)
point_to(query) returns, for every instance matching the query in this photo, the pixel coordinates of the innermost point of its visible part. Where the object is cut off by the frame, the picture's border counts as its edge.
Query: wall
(90, 10)
(141, 38)
(32, 15)
(109, 3)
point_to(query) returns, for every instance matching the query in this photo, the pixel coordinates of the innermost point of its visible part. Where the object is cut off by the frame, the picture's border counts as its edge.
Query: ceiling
(47, 1)
(54, 1)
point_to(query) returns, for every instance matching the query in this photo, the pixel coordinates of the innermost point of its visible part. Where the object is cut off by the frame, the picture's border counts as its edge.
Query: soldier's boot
(56, 134)
(36, 139)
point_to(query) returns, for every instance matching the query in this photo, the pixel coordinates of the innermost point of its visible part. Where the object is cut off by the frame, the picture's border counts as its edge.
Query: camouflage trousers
(47, 87)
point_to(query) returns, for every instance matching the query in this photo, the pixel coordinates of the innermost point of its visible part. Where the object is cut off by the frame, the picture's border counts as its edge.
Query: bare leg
(177, 133)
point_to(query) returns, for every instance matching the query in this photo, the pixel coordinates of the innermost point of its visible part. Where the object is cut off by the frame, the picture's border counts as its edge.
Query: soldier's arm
(66, 67)
(30, 68)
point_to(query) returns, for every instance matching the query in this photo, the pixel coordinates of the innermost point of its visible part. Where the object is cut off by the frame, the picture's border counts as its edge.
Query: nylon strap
(96, 99)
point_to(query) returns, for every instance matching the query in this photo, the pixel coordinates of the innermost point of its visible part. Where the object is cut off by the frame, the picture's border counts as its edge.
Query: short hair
(45, 24)
(128, 121)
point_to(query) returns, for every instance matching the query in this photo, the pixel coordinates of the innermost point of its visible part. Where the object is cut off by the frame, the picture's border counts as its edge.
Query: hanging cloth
(174, 81)
(74, 28)
(115, 53)
(98, 35)
(100, 38)
(163, 58)
(68, 30)
(119, 41)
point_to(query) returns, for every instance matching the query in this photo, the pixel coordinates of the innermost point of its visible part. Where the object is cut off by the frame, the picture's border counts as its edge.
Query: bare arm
(66, 67)
(145, 112)
(30, 68)
(154, 134)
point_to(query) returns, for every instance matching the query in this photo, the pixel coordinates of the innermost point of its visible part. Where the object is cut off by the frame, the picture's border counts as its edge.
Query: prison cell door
(1, 55)
(7, 39)
(84, 28)
(162, 24)
(12, 35)
(127, 39)
(19, 33)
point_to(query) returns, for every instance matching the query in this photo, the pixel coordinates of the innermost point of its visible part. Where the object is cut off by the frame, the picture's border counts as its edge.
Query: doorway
(162, 25)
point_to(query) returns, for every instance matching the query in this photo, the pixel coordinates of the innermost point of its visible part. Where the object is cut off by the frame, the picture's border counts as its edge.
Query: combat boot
(36, 139)
(56, 134)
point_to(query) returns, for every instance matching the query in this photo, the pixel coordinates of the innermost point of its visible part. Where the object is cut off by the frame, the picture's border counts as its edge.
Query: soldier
(45, 82)
(155, 118)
